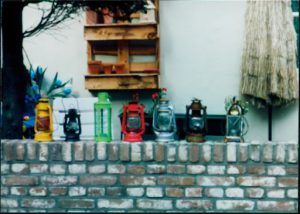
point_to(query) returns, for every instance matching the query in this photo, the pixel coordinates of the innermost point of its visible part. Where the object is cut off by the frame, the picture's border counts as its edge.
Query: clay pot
(107, 68)
(94, 67)
(120, 68)
(91, 17)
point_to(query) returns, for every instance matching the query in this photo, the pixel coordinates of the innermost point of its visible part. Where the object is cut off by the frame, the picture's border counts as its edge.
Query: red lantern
(133, 122)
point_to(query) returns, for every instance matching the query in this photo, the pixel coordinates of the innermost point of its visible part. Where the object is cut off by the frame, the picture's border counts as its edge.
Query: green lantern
(102, 115)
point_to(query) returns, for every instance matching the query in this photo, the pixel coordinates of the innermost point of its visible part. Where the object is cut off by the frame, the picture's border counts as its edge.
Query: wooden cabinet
(131, 46)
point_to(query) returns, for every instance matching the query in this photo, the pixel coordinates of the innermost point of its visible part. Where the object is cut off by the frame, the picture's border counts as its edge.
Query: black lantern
(196, 121)
(72, 125)
(236, 123)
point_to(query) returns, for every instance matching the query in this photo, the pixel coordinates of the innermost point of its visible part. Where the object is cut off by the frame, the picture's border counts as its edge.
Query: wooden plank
(120, 32)
(132, 50)
(142, 66)
(158, 56)
(142, 50)
(89, 52)
(123, 54)
(105, 52)
(121, 82)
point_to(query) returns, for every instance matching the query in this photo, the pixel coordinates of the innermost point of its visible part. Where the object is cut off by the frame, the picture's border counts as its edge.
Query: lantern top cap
(196, 100)
(163, 99)
(44, 99)
(103, 96)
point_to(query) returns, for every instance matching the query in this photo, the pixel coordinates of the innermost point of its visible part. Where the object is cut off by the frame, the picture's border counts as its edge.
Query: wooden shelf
(100, 32)
(136, 45)
(128, 81)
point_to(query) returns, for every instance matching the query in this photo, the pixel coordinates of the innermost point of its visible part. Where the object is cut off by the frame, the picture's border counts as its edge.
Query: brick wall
(148, 176)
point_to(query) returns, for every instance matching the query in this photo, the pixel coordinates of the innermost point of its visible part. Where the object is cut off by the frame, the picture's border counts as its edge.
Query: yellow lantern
(43, 125)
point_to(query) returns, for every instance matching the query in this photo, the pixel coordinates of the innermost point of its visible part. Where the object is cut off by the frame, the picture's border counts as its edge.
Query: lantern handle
(245, 122)
(79, 123)
(124, 118)
(205, 119)
(35, 121)
(154, 116)
(62, 101)
(50, 116)
(187, 118)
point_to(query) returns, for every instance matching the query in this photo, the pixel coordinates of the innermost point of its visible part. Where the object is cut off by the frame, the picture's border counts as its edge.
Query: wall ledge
(88, 176)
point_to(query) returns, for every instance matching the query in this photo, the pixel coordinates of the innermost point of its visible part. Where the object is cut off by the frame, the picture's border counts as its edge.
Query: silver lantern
(164, 121)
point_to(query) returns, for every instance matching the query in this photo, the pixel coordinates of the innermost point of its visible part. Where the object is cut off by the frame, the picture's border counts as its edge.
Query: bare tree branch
(62, 10)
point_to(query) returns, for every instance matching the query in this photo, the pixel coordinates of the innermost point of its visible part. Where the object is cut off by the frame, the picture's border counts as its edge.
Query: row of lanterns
(133, 121)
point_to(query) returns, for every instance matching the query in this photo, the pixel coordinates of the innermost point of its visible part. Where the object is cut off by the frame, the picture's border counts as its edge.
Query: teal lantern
(102, 115)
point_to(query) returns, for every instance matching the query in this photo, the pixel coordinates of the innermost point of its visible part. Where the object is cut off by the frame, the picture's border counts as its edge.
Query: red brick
(115, 203)
(113, 150)
(96, 191)
(194, 152)
(38, 203)
(256, 181)
(292, 170)
(276, 205)
(57, 191)
(98, 180)
(182, 181)
(154, 204)
(235, 205)
(20, 151)
(76, 203)
(135, 169)
(9, 203)
(90, 151)
(159, 152)
(156, 169)
(136, 181)
(193, 192)
(20, 180)
(256, 170)
(218, 152)
(59, 180)
(124, 151)
(194, 204)
(175, 169)
(288, 182)
(174, 192)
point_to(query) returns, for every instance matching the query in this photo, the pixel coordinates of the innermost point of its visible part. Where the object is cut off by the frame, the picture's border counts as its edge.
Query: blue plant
(36, 90)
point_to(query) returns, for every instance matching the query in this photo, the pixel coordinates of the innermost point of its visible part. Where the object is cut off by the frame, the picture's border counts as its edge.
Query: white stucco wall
(201, 48)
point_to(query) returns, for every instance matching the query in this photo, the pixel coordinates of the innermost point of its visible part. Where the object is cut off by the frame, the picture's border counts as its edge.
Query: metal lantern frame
(133, 108)
(197, 111)
(72, 116)
(43, 118)
(236, 124)
(102, 118)
(164, 135)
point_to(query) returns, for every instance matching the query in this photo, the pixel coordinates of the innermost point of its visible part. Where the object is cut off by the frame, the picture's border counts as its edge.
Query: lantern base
(72, 137)
(234, 139)
(165, 136)
(43, 136)
(133, 137)
(103, 138)
(195, 138)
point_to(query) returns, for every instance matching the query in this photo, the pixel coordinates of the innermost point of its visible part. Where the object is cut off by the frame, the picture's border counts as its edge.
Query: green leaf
(57, 95)
(52, 84)
(40, 78)
(65, 83)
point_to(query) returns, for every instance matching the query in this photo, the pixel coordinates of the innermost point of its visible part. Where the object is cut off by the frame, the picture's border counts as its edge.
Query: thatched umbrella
(269, 63)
